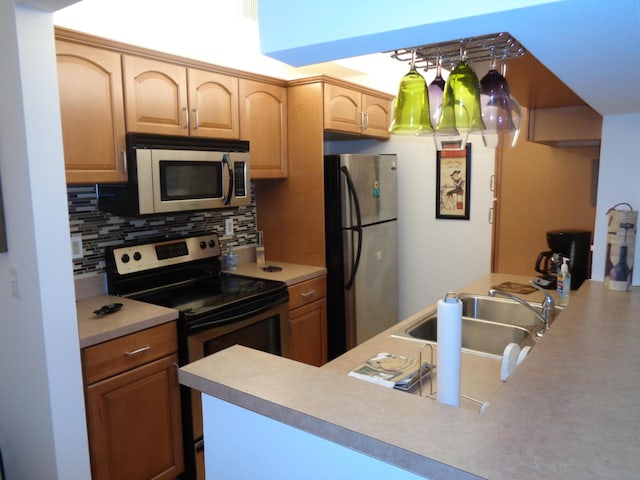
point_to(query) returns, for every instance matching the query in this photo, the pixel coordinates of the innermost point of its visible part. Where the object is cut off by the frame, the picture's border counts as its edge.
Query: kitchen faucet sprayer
(547, 306)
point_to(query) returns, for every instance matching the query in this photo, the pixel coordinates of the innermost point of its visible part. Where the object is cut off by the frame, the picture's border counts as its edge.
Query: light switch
(13, 281)
(228, 226)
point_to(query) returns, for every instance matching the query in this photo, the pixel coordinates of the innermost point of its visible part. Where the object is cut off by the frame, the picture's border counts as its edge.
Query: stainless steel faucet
(547, 306)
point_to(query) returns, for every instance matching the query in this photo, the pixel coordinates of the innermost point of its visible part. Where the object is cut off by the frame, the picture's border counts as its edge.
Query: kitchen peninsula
(568, 411)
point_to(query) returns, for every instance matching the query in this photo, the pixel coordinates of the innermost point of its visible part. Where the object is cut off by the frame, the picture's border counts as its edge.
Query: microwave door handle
(226, 199)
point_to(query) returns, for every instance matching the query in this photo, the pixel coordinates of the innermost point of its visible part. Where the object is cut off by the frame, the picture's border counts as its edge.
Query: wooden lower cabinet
(133, 416)
(308, 320)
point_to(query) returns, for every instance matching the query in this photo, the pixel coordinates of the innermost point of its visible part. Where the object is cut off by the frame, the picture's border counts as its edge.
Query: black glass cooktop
(217, 294)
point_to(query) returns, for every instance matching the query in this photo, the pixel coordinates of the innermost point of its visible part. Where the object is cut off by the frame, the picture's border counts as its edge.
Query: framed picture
(453, 181)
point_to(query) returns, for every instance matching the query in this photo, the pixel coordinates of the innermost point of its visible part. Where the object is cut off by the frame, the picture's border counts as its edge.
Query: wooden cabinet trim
(124, 48)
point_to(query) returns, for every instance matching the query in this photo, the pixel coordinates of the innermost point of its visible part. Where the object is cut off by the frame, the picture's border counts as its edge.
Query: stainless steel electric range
(217, 310)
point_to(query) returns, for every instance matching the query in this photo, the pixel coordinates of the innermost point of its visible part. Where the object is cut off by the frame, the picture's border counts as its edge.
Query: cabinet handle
(491, 215)
(124, 159)
(365, 121)
(307, 294)
(137, 351)
(196, 116)
(186, 117)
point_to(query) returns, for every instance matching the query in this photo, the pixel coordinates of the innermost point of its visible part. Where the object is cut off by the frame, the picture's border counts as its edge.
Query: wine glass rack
(496, 46)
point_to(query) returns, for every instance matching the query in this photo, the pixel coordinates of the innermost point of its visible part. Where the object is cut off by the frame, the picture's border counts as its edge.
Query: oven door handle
(199, 324)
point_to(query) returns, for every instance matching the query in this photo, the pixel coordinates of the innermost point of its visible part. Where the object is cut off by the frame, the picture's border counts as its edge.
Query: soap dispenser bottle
(563, 288)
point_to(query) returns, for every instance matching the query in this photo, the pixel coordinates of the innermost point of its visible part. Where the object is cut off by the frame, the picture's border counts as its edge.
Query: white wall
(436, 255)
(243, 445)
(618, 181)
(42, 420)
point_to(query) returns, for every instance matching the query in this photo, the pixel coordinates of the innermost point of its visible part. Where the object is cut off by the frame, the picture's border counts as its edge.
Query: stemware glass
(436, 91)
(411, 108)
(498, 109)
(461, 113)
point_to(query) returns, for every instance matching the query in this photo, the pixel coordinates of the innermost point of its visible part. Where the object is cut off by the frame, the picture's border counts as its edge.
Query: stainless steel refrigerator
(361, 248)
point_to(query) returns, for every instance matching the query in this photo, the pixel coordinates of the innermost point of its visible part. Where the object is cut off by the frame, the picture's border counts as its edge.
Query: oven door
(268, 331)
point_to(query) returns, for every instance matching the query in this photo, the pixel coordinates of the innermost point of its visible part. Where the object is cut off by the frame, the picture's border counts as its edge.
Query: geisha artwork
(453, 173)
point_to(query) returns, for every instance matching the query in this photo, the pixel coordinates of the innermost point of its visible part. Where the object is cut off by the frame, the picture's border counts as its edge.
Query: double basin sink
(489, 324)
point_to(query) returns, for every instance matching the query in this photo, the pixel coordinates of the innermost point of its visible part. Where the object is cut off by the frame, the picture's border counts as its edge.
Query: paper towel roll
(449, 349)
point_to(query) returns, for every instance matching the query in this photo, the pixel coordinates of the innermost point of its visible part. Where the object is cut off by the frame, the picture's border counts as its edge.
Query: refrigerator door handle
(357, 228)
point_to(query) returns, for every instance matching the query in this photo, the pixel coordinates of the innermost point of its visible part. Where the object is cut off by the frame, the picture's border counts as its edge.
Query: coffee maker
(574, 245)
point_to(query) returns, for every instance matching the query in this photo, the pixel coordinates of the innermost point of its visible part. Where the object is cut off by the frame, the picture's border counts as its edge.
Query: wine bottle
(619, 274)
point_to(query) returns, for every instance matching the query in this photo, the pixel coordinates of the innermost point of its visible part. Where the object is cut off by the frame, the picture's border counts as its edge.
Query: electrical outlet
(76, 247)
(228, 226)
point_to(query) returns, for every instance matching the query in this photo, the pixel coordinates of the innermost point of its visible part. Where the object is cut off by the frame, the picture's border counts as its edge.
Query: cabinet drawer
(119, 355)
(306, 292)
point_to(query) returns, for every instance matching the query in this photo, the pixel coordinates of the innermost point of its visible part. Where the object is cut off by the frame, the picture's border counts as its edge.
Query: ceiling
(590, 45)
(531, 82)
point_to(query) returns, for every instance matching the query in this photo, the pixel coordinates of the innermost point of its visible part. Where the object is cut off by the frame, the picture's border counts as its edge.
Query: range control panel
(138, 258)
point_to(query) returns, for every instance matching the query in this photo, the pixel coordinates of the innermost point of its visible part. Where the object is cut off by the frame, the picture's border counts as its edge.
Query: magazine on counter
(391, 371)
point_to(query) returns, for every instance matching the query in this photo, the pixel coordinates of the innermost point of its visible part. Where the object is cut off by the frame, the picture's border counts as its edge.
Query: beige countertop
(290, 274)
(132, 317)
(570, 410)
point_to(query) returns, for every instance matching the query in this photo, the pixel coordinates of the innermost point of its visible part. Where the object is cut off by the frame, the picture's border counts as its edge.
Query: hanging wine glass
(461, 113)
(436, 91)
(411, 108)
(498, 108)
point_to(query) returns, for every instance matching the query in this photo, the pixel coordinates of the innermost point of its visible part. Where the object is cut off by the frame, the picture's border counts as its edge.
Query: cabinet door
(308, 342)
(92, 113)
(213, 101)
(155, 96)
(342, 109)
(377, 116)
(135, 425)
(263, 121)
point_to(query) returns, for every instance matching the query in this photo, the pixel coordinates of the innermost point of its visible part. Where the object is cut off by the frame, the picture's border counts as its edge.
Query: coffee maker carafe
(574, 245)
(548, 264)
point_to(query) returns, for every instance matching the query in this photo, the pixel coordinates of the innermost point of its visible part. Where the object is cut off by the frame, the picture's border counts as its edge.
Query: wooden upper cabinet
(172, 99)
(263, 122)
(377, 115)
(213, 103)
(92, 113)
(348, 110)
(342, 109)
(156, 96)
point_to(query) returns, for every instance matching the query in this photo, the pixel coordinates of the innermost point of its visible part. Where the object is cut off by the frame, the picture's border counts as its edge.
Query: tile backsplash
(100, 229)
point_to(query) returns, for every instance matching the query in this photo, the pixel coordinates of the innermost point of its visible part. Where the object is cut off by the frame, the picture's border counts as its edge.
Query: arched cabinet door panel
(92, 113)
(263, 122)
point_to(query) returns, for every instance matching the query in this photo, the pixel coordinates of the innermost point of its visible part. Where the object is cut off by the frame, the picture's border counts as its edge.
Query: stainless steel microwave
(172, 174)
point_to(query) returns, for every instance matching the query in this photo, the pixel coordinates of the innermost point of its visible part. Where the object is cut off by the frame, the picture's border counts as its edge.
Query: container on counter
(621, 244)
